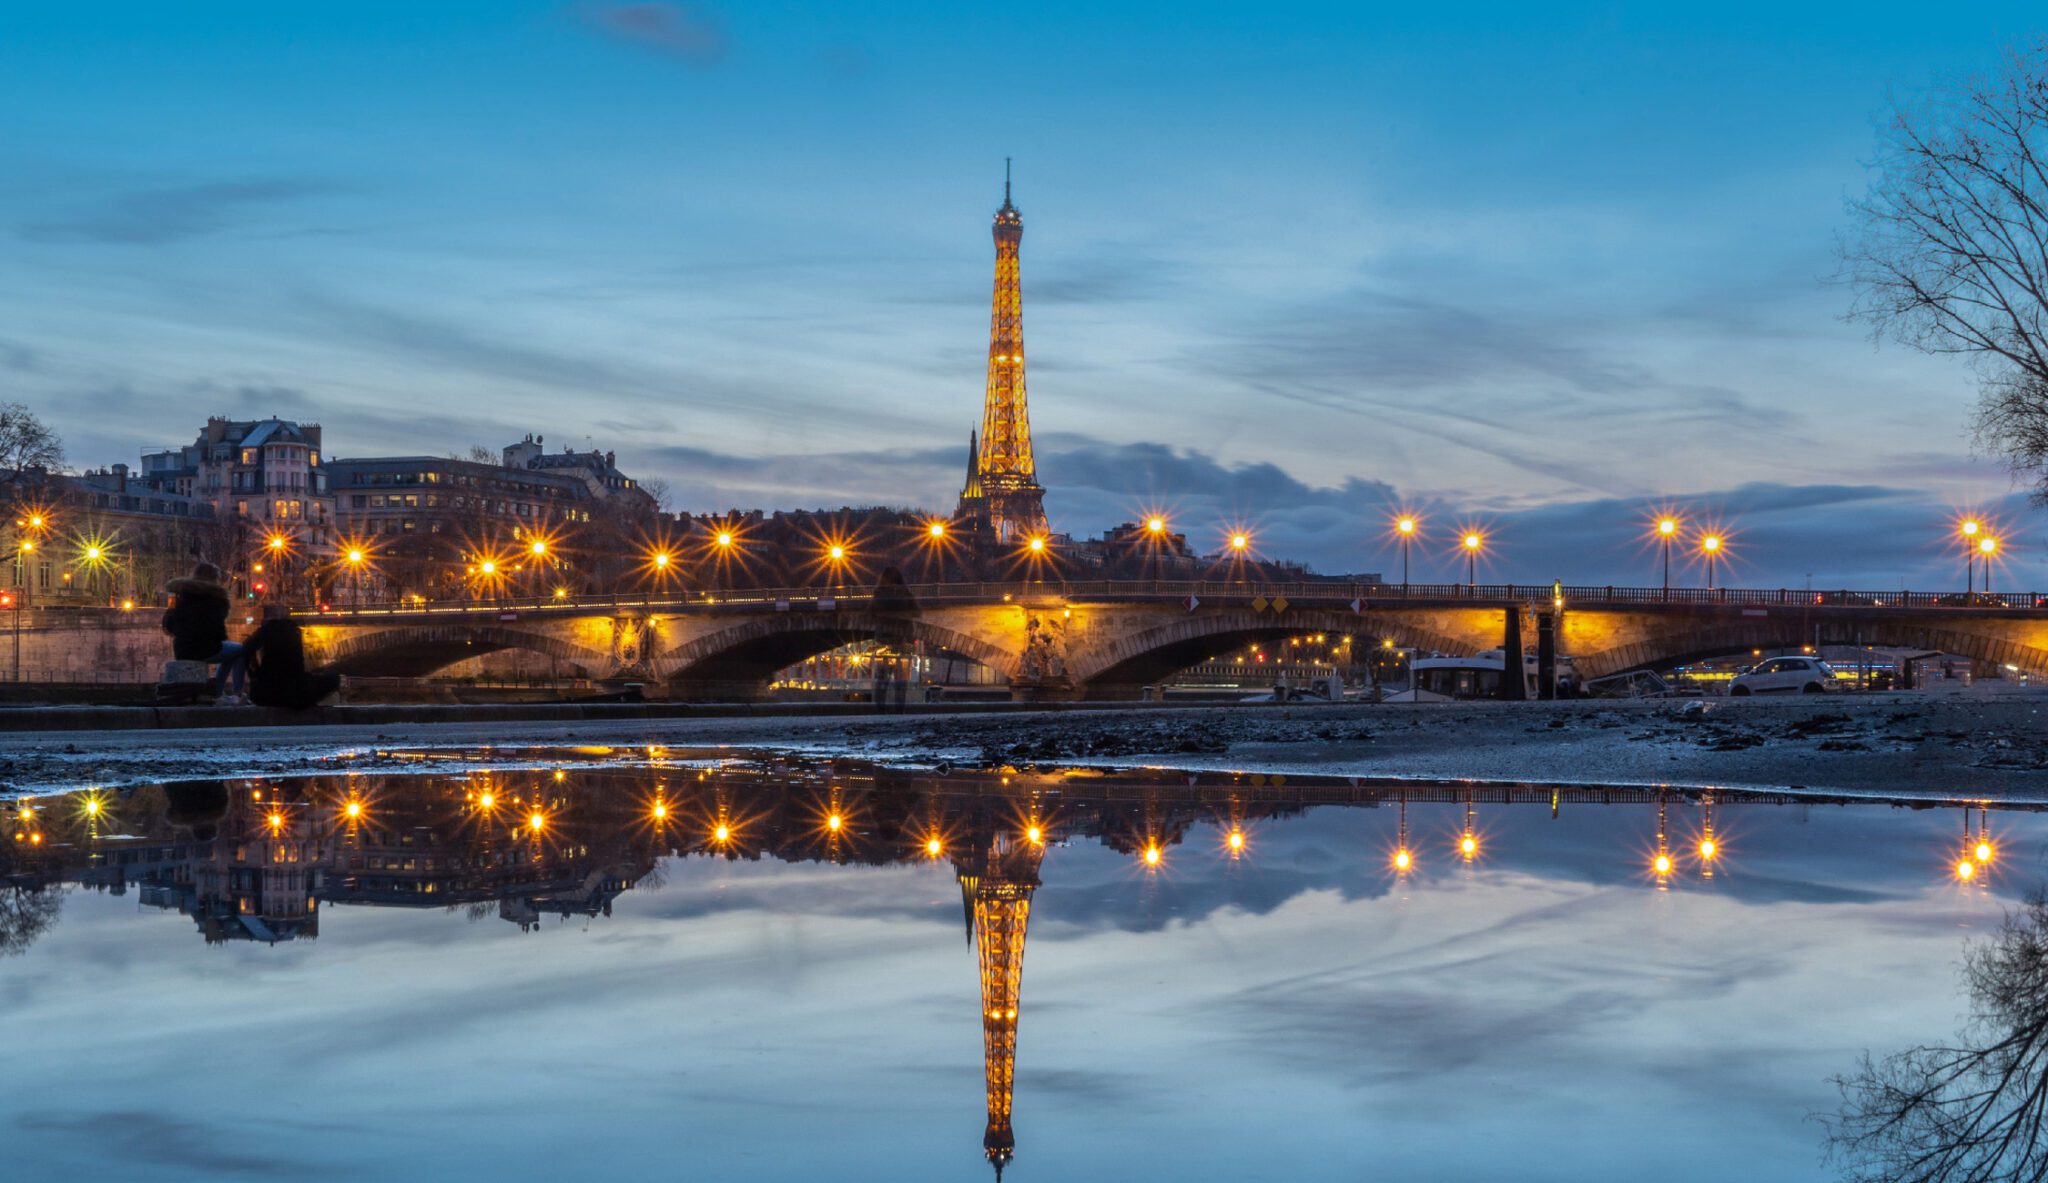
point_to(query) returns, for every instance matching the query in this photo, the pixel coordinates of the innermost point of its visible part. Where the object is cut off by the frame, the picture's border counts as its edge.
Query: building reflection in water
(256, 860)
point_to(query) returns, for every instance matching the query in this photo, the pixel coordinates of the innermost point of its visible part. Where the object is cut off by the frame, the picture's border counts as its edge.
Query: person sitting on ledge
(198, 626)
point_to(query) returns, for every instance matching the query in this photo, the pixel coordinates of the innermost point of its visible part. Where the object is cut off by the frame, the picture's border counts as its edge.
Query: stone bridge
(1109, 640)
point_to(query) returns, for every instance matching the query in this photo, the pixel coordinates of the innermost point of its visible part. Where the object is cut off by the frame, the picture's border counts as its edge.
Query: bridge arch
(1994, 640)
(415, 651)
(1143, 658)
(746, 654)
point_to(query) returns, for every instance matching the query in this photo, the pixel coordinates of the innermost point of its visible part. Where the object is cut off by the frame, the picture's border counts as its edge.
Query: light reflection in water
(258, 866)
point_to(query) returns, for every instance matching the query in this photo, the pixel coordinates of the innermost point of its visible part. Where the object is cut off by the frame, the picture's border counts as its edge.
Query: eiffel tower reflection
(998, 872)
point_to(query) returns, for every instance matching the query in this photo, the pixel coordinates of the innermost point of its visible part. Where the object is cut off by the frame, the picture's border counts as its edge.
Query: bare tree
(1949, 253)
(26, 445)
(25, 913)
(1972, 1112)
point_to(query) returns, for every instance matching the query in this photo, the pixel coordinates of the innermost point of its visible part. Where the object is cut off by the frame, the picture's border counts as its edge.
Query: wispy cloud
(147, 217)
(687, 33)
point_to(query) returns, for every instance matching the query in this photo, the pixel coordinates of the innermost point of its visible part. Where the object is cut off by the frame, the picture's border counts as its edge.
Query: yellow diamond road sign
(1258, 603)
(1279, 603)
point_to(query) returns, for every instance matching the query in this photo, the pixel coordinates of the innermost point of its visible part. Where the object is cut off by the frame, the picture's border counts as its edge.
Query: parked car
(1783, 675)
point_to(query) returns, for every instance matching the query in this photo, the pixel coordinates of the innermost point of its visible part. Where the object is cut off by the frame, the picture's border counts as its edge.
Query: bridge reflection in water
(256, 860)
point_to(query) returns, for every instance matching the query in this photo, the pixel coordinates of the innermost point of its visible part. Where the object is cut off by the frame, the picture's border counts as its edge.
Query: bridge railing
(1205, 592)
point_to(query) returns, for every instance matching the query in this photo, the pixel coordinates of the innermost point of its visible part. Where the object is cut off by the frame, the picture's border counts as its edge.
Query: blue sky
(1284, 265)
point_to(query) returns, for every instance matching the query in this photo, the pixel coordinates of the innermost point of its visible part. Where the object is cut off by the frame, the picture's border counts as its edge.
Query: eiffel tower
(997, 877)
(1002, 496)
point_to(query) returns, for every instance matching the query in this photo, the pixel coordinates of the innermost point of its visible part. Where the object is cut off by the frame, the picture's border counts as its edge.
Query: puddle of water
(781, 971)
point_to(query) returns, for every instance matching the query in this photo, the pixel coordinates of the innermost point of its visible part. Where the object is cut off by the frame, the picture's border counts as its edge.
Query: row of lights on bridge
(1711, 545)
(1976, 855)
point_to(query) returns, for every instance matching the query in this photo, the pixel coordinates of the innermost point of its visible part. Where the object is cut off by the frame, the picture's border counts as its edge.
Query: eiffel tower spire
(1003, 492)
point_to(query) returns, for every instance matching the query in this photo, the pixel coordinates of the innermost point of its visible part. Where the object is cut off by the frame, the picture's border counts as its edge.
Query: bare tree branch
(1949, 251)
(1972, 1112)
(27, 446)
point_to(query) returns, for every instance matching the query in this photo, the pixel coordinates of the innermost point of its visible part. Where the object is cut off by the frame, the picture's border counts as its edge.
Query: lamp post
(835, 561)
(276, 546)
(1987, 547)
(1155, 535)
(22, 550)
(722, 544)
(1405, 526)
(355, 557)
(1969, 530)
(1667, 529)
(1710, 549)
(1474, 542)
(537, 558)
(935, 543)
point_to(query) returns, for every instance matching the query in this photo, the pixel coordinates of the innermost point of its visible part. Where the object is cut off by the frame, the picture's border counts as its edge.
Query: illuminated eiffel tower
(996, 881)
(1002, 495)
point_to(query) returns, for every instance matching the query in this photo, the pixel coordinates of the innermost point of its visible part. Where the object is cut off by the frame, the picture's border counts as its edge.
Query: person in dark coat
(198, 626)
(276, 657)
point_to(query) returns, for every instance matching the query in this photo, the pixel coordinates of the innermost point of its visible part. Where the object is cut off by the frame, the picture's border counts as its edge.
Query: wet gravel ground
(1989, 741)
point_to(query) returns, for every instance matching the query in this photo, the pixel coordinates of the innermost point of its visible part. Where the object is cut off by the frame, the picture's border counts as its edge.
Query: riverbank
(1989, 742)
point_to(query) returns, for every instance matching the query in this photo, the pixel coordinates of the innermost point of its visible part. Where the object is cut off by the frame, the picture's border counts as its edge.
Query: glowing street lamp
(1667, 530)
(1155, 542)
(1473, 542)
(1711, 550)
(1969, 528)
(1987, 547)
(355, 556)
(1405, 528)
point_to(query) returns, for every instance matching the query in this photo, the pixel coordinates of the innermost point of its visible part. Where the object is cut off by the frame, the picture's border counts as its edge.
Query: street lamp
(1155, 541)
(1473, 542)
(1667, 529)
(275, 544)
(722, 543)
(1987, 547)
(1710, 550)
(1969, 529)
(355, 557)
(1405, 526)
(935, 544)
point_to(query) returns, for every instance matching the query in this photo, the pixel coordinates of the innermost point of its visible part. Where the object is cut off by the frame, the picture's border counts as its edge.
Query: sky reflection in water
(1549, 1010)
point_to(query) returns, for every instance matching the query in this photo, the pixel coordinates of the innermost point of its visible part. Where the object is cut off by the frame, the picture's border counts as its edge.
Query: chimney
(120, 478)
